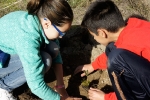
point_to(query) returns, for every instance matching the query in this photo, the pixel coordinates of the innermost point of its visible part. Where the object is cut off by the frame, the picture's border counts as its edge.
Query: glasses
(60, 33)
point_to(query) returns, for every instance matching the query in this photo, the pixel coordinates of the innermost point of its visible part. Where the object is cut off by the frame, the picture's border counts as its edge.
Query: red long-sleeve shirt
(135, 37)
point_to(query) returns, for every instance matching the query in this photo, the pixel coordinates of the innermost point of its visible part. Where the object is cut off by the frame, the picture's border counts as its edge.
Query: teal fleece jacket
(22, 34)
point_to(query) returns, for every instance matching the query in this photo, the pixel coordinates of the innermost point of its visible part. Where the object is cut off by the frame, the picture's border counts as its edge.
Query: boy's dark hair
(103, 14)
(57, 11)
(136, 16)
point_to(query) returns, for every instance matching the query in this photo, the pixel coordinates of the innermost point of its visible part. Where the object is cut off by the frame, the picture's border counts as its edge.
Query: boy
(127, 54)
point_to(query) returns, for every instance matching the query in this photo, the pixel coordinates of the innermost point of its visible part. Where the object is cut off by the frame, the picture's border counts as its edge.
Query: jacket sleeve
(146, 54)
(100, 62)
(29, 53)
(58, 59)
(110, 96)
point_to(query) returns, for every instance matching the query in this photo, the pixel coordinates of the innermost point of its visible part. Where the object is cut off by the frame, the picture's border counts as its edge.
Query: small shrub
(85, 83)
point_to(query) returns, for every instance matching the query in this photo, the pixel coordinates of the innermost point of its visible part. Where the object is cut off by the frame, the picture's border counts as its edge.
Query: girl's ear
(46, 23)
(102, 33)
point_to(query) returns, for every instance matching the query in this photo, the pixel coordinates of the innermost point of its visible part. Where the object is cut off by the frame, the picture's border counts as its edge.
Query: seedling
(85, 83)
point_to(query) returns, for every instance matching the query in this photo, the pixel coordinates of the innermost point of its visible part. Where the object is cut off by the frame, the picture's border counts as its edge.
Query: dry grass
(79, 3)
(7, 6)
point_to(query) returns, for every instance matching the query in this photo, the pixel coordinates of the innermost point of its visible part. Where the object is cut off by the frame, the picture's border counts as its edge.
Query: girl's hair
(103, 14)
(57, 11)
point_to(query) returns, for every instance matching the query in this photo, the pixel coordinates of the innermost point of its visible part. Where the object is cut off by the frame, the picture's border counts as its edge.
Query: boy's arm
(100, 62)
(110, 96)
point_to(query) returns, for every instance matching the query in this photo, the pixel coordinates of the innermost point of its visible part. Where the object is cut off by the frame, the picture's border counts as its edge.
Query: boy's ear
(102, 33)
(46, 23)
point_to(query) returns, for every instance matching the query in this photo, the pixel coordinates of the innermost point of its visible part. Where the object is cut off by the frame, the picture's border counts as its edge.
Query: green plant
(85, 83)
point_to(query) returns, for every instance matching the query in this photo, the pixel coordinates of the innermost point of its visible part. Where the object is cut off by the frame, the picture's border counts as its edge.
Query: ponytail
(57, 11)
(34, 6)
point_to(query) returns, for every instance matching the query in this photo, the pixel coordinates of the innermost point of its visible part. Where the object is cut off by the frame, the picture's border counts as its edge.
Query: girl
(30, 39)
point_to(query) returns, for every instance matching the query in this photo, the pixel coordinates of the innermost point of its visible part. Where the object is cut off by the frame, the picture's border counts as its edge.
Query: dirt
(77, 48)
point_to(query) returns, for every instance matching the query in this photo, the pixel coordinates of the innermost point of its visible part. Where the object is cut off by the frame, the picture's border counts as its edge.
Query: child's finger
(77, 98)
(73, 98)
(94, 89)
(83, 74)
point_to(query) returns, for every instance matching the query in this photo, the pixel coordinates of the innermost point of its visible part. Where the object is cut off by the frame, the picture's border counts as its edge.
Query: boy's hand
(96, 94)
(87, 67)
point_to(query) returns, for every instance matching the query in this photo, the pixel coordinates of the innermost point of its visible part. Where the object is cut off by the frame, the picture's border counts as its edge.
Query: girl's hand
(62, 91)
(72, 98)
(64, 95)
(96, 94)
(87, 67)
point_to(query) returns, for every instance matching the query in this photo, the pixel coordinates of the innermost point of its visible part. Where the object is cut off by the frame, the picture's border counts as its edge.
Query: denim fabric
(12, 76)
(132, 72)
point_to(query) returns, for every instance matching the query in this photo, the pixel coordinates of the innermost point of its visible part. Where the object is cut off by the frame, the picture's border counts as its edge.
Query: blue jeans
(12, 76)
(132, 71)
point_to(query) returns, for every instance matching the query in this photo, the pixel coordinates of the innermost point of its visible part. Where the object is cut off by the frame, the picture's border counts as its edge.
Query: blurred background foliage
(78, 7)
(127, 7)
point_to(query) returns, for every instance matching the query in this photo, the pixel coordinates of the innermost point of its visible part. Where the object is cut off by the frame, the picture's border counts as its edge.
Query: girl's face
(52, 31)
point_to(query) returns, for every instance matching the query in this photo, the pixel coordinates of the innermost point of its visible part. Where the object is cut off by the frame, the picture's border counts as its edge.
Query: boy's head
(103, 16)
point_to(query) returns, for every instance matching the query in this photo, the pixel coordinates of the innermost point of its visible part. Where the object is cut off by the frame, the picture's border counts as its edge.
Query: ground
(77, 48)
